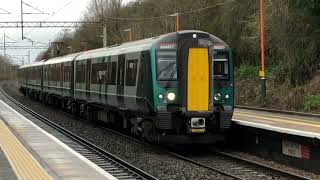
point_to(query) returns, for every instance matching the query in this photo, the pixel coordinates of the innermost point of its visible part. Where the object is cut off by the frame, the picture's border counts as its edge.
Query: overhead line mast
(22, 20)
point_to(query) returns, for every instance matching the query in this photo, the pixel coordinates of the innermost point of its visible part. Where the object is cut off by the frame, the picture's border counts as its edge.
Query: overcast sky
(58, 10)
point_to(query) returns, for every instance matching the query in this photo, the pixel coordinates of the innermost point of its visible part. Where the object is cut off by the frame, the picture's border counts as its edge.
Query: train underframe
(162, 127)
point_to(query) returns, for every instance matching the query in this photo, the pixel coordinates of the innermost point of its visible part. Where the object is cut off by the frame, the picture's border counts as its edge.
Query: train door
(130, 88)
(120, 80)
(88, 78)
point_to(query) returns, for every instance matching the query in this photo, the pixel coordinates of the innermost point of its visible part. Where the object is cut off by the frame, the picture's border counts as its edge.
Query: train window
(80, 74)
(65, 73)
(166, 65)
(94, 76)
(121, 69)
(221, 66)
(99, 71)
(49, 72)
(113, 73)
(131, 72)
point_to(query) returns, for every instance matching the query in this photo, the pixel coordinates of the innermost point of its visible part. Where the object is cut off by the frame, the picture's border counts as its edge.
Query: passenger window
(113, 73)
(99, 71)
(66, 73)
(121, 68)
(131, 72)
(80, 72)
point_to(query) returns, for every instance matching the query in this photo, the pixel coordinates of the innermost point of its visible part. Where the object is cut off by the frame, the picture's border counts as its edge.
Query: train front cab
(184, 90)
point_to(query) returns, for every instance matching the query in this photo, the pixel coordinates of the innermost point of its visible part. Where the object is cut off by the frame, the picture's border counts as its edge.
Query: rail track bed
(186, 163)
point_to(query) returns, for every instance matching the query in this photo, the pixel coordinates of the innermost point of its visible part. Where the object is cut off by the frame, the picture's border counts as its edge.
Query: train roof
(36, 63)
(66, 58)
(140, 45)
(134, 46)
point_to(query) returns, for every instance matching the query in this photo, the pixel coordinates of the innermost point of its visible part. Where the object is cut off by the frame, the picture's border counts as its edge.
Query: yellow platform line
(261, 118)
(25, 166)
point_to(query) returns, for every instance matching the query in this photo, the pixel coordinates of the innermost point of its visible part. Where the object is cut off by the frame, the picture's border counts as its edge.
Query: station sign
(294, 149)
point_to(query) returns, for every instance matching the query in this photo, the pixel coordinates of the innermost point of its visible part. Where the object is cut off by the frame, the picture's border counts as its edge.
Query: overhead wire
(41, 12)
(53, 14)
(6, 12)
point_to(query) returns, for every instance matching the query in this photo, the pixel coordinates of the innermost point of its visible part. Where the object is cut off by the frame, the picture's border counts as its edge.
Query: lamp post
(129, 34)
(177, 21)
(262, 72)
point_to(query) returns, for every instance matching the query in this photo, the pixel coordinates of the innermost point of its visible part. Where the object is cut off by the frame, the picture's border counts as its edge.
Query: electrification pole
(177, 21)
(129, 34)
(262, 72)
(104, 35)
(22, 20)
(4, 44)
(28, 56)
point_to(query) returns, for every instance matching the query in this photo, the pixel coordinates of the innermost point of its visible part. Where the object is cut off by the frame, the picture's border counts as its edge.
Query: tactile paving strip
(21, 161)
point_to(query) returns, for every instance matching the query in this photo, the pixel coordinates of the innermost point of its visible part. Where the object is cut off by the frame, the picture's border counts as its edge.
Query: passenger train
(175, 88)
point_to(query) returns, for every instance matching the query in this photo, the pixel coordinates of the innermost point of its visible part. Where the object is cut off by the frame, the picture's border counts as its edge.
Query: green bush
(248, 71)
(311, 102)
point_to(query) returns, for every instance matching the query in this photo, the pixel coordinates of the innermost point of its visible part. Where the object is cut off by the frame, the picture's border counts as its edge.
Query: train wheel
(91, 115)
(148, 131)
(74, 109)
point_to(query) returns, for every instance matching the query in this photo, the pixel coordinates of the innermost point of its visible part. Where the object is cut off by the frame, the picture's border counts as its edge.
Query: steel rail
(269, 168)
(98, 150)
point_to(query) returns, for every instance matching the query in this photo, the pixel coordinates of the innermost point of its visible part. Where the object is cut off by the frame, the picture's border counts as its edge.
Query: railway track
(112, 164)
(239, 168)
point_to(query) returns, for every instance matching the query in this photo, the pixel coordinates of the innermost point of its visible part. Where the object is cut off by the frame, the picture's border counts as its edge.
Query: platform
(29, 152)
(282, 123)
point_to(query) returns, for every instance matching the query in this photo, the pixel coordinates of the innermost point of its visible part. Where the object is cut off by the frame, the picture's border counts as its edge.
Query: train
(176, 88)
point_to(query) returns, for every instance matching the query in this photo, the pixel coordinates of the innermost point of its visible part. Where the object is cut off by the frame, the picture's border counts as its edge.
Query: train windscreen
(167, 64)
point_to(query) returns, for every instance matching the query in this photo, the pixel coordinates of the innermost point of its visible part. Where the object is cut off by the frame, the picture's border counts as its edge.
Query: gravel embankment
(157, 163)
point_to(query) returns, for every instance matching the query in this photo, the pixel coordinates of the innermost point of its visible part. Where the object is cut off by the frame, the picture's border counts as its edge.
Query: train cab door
(194, 74)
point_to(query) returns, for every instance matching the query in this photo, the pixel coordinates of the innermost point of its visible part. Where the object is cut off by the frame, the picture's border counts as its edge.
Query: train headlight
(171, 96)
(227, 96)
(217, 96)
(160, 96)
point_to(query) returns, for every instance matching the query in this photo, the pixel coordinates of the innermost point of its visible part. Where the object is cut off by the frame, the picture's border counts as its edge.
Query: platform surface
(35, 154)
(283, 123)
